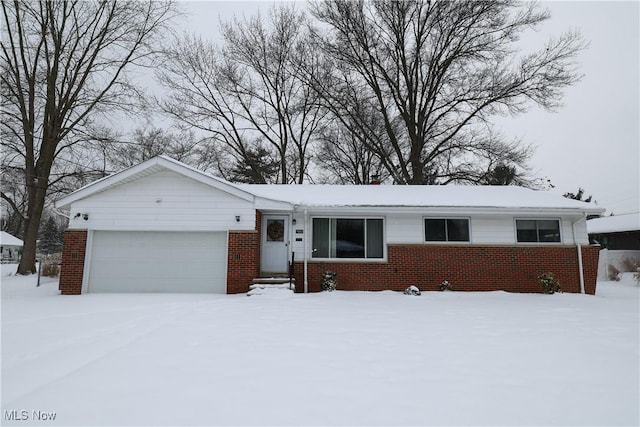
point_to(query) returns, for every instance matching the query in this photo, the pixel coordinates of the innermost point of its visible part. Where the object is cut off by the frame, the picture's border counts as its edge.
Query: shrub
(50, 269)
(636, 275)
(613, 273)
(329, 282)
(549, 283)
(412, 290)
(445, 286)
(630, 264)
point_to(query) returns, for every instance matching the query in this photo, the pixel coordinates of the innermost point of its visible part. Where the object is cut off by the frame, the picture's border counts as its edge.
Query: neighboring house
(10, 248)
(619, 238)
(162, 226)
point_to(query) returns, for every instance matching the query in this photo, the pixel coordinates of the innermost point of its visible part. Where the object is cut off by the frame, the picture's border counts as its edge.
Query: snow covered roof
(416, 196)
(7, 239)
(614, 224)
(354, 196)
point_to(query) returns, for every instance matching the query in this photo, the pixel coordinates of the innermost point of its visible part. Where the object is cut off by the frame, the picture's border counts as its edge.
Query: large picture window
(446, 230)
(347, 238)
(537, 230)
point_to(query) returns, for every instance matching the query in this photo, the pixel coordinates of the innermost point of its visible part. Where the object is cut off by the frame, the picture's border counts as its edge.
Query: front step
(271, 285)
(272, 280)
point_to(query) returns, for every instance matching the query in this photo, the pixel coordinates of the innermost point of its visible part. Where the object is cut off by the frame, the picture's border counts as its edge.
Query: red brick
(243, 258)
(467, 268)
(72, 268)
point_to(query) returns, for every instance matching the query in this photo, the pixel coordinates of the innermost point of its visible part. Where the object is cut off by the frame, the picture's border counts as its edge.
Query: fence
(619, 260)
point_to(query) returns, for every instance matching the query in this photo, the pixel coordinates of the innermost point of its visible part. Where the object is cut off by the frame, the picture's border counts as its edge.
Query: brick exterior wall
(73, 255)
(590, 256)
(467, 268)
(243, 258)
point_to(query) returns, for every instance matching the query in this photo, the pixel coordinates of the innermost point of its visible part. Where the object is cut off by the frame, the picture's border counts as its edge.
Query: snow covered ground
(341, 358)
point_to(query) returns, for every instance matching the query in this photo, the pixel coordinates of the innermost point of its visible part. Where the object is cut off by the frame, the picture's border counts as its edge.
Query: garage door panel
(158, 262)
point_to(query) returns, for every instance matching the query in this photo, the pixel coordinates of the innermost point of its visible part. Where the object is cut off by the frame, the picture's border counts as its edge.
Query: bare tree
(343, 157)
(197, 100)
(146, 142)
(435, 73)
(248, 92)
(64, 62)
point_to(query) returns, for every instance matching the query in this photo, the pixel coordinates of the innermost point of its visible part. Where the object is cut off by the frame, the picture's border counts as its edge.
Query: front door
(275, 242)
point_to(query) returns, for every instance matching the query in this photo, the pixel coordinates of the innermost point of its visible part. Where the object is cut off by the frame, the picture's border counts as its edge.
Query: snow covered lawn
(344, 358)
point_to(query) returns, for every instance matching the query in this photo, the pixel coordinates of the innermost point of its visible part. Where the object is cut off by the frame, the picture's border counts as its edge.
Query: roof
(335, 196)
(614, 224)
(476, 196)
(7, 239)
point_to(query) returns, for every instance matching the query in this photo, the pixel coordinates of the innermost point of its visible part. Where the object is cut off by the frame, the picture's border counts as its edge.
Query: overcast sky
(593, 141)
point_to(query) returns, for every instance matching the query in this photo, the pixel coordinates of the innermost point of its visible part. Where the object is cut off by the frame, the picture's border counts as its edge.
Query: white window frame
(515, 230)
(445, 242)
(358, 260)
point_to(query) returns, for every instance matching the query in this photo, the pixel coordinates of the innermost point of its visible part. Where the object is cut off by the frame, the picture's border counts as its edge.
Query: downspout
(306, 247)
(579, 248)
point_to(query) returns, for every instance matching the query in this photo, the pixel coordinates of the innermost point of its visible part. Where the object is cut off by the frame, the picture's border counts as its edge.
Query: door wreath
(275, 231)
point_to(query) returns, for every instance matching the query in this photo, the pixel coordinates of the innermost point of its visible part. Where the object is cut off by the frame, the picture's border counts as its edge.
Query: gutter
(579, 249)
(57, 212)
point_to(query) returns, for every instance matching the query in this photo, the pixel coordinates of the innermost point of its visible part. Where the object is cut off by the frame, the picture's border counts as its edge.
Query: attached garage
(157, 261)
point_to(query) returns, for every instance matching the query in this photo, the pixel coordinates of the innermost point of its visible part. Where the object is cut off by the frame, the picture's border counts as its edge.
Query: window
(537, 230)
(446, 230)
(347, 238)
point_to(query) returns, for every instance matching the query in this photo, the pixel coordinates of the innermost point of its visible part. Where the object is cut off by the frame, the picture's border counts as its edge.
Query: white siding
(165, 201)
(492, 230)
(298, 246)
(404, 228)
(581, 232)
(408, 228)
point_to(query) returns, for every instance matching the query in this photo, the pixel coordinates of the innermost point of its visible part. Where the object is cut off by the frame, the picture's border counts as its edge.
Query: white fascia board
(269, 204)
(161, 161)
(447, 210)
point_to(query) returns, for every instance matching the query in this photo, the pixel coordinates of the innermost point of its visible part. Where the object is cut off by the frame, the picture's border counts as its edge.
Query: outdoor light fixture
(77, 215)
(293, 221)
(237, 218)
(85, 216)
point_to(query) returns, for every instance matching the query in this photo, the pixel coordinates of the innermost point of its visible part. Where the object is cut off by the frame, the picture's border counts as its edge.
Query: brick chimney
(375, 180)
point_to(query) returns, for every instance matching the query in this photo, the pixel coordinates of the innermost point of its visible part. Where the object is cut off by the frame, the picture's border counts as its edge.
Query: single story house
(162, 226)
(619, 232)
(10, 247)
(619, 239)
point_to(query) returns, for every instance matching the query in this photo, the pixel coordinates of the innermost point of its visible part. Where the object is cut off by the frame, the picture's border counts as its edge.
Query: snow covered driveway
(345, 358)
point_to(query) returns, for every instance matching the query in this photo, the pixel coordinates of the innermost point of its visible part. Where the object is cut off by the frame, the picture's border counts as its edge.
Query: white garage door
(140, 261)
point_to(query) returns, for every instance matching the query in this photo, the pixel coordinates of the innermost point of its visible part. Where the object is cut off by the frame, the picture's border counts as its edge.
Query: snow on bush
(329, 282)
(549, 283)
(445, 286)
(613, 274)
(412, 290)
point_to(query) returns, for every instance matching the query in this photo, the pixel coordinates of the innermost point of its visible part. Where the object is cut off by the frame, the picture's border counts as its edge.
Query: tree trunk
(31, 226)
(417, 170)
